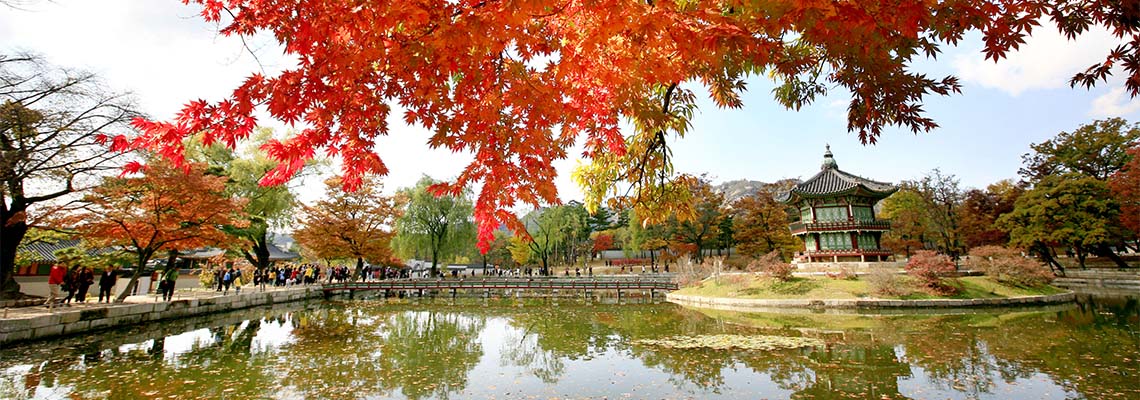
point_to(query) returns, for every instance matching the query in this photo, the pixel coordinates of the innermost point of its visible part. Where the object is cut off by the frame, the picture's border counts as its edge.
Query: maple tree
(168, 208)
(981, 208)
(1125, 186)
(602, 242)
(517, 83)
(51, 119)
(357, 225)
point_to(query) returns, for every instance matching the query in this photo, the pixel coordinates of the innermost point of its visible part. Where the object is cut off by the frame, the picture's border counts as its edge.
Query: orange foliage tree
(1125, 186)
(517, 83)
(166, 209)
(761, 226)
(355, 225)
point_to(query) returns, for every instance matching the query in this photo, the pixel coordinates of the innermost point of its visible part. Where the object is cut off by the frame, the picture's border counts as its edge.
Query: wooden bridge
(525, 284)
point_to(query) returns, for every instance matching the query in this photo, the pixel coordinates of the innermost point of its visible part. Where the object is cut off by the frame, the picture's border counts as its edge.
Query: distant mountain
(741, 188)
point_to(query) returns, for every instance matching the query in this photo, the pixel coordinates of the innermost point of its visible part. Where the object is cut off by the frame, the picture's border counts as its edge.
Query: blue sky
(161, 51)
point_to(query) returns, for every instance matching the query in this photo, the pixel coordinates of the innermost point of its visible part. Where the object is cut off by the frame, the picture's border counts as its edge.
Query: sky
(161, 51)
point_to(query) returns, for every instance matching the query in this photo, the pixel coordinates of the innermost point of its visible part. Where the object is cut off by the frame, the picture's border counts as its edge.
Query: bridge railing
(538, 284)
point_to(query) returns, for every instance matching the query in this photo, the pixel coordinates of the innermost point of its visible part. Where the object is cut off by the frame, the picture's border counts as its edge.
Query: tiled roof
(45, 251)
(832, 181)
(275, 254)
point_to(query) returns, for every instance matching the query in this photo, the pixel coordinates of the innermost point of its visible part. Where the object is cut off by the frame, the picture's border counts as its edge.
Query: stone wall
(1101, 281)
(69, 322)
(759, 304)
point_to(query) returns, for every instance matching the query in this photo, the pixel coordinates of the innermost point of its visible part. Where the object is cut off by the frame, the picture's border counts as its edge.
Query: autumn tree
(761, 226)
(357, 225)
(517, 85)
(438, 224)
(602, 242)
(980, 210)
(699, 228)
(166, 209)
(52, 121)
(1125, 186)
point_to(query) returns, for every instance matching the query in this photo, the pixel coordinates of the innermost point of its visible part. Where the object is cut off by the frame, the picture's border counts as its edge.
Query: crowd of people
(76, 281)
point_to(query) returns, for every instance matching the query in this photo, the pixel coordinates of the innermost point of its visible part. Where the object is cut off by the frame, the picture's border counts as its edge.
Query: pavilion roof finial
(828, 160)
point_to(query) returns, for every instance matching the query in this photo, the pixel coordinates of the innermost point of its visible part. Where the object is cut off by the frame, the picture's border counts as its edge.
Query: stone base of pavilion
(848, 266)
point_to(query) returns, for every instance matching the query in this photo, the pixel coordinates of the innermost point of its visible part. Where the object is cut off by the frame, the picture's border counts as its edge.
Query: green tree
(1097, 150)
(439, 225)
(1070, 210)
(551, 229)
(906, 209)
(267, 207)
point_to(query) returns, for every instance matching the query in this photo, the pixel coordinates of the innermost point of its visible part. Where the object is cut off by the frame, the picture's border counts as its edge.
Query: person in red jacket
(55, 278)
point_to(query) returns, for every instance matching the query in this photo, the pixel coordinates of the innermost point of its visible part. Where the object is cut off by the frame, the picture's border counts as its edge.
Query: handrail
(544, 284)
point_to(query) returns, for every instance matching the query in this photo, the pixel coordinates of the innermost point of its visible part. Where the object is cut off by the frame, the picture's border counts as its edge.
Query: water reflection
(519, 349)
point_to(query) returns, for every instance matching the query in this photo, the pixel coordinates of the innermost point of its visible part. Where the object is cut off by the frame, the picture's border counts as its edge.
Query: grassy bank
(745, 286)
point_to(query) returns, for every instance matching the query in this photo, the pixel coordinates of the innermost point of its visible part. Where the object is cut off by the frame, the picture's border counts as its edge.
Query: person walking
(69, 281)
(106, 282)
(55, 279)
(169, 280)
(227, 278)
(83, 281)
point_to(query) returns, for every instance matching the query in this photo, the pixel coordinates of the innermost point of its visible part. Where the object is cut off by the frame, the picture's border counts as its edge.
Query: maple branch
(245, 45)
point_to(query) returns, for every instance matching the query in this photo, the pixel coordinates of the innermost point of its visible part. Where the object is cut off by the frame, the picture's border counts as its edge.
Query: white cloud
(1115, 103)
(1046, 61)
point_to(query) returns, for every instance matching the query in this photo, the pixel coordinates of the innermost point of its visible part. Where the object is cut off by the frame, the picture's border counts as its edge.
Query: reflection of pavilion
(854, 372)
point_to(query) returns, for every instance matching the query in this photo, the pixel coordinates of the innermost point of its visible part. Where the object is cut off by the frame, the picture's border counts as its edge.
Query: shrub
(843, 273)
(772, 265)
(929, 268)
(885, 281)
(1009, 266)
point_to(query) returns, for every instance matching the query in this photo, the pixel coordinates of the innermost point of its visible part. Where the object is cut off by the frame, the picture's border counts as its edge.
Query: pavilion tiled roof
(831, 181)
(45, 251)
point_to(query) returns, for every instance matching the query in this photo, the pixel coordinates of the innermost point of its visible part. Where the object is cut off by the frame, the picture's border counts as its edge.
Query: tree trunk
(434, 257)
(144, 256)
(359, 268)
(10, 237)
(1043, 252)
(1103, 251)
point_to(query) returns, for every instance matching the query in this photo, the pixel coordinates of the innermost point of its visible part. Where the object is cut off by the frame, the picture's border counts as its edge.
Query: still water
(542, 349)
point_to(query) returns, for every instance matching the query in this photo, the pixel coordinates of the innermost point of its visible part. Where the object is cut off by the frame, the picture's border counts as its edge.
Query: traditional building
(837, 216)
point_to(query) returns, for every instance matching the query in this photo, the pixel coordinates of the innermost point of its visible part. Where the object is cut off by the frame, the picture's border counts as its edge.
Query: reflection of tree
(422, 354)
(523, 351)
(429, 354)
(144, 370)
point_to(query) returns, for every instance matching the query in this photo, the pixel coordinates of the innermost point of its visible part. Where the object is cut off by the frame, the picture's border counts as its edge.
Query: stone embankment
(761, 304)
(1101, 281)
(33, 323)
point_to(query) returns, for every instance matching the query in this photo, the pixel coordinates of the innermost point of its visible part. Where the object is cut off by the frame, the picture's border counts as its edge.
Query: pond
(565, 349)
